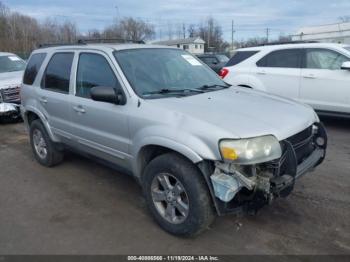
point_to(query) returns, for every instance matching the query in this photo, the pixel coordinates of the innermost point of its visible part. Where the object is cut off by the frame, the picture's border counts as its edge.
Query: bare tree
(344, 19)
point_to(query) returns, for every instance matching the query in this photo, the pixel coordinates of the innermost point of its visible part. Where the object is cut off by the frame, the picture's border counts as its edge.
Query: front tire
(177, 195)
(43, 147)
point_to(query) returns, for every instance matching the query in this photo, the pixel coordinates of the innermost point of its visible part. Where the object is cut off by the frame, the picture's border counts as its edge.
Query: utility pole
(184, 30)
(209, 32)
(233, 31)
(267, 34)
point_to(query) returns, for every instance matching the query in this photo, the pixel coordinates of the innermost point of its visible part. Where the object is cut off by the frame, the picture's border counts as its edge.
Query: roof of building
(190, 40)
(338, 27)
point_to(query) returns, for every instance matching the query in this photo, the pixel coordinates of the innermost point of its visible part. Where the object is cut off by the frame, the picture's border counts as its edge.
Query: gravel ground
(82, 207)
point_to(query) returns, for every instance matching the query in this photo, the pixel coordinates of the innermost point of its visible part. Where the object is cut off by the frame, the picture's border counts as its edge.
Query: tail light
(223, 72)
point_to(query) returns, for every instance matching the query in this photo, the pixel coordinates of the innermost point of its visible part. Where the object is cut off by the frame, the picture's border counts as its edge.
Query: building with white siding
(194, 45)
(331, 33)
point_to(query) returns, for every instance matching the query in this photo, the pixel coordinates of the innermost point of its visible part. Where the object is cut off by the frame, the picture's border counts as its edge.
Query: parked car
(197, 146)
(214, 61)
(314, 73)
(11, 72)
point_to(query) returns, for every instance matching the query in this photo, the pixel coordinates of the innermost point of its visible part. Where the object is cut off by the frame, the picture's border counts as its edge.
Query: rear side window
(33, 67)
(240, 56)
(57, 73)
(93, 70)
(288, 58)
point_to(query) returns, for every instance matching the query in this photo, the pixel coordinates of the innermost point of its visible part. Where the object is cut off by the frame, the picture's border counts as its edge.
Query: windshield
(153, 71)
(11, 63)
(222, 58)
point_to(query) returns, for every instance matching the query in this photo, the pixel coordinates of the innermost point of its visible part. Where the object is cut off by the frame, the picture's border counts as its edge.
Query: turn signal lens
(229, 153)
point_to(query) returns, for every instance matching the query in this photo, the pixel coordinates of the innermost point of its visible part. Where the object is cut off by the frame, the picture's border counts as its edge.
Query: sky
(251, 17)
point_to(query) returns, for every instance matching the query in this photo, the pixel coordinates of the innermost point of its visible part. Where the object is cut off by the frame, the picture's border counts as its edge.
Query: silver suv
(197, 146)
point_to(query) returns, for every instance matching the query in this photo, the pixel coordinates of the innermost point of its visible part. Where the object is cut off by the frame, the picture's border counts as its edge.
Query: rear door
(53, 97)
(99, 128)
(279, 72)
(324, 85)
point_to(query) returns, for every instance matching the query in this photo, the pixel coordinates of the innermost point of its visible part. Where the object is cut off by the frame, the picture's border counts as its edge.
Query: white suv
(314, 73)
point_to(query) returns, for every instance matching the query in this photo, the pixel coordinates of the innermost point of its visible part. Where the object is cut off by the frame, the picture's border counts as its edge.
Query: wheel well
(31, 117)
(245, 86)
(150, 152)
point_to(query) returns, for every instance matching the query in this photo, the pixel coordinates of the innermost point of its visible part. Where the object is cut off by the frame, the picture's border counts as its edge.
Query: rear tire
(43, 147)
(177, 195)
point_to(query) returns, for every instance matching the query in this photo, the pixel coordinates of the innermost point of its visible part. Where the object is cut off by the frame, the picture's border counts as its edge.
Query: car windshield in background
(347, 48)
(11, 63)
(222, 58)
(164, 72)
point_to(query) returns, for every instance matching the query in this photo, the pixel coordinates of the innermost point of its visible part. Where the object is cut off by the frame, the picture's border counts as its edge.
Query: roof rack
(109, 41)
(93, 41)
(288, 42)
(57, 44)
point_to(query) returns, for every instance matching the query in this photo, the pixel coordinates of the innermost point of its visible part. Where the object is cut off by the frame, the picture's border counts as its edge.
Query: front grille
(302, 143)
(11, 95)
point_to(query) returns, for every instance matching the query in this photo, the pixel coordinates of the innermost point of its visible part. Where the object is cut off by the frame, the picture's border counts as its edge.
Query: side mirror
(346, 65)
(107, 94)
(215, 62)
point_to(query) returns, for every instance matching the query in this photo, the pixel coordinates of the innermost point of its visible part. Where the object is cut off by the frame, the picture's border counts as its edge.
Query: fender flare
(42, 118)
(167, 143)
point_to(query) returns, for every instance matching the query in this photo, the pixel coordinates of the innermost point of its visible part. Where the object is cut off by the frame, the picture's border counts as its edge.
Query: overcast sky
(251, 17)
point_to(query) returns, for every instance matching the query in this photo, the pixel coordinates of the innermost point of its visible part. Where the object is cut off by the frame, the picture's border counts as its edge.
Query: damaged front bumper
(9, 110)
(238, 187)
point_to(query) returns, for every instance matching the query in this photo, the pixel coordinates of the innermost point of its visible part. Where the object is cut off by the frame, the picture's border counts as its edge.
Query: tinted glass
(57, 74)
(93, 70)
(222, 58)
(324, 59)
(240, 56)
(11, 63)
(209, 60)
(150, 70)
(33, 67)
(288, 58)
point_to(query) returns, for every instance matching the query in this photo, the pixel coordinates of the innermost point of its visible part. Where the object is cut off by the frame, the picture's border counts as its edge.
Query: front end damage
(249, 187)
(10, 102)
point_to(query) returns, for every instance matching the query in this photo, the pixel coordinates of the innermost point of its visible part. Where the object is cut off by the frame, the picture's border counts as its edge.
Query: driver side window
(324, 59)
(93, 70)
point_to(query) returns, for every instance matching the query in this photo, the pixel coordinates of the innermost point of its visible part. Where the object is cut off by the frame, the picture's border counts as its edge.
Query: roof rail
(58, 44)
(93, 41)
(108, 41)
(288, 42)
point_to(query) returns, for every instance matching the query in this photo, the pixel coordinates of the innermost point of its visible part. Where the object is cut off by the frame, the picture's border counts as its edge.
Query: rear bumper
(9, 109)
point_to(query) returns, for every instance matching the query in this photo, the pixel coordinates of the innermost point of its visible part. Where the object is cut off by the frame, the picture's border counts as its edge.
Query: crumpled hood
(244, 112)
(10, 79)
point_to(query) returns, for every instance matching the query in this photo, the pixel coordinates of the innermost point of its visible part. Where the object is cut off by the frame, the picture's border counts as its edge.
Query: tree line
(20, 33)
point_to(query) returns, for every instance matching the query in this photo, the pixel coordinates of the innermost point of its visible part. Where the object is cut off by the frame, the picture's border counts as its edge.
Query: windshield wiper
(206, 87)
(173, 91)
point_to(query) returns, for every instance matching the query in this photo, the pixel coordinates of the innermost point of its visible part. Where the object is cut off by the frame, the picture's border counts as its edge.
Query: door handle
(309, 76)
(261, 72)
(43, 100)
(79, 109)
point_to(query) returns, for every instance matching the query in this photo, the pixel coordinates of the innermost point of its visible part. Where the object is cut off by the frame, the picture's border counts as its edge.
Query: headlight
(251, 150)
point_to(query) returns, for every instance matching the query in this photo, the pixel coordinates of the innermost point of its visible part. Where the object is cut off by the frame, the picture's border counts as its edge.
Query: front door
(324, 85)
(99, 128)
(279, 72)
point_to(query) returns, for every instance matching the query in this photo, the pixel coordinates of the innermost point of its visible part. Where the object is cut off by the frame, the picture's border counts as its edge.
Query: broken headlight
(250, 150)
